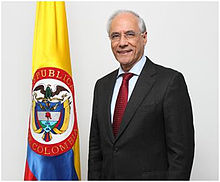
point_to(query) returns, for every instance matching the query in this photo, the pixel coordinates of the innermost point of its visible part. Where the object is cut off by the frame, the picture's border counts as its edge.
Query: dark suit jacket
(156, 135)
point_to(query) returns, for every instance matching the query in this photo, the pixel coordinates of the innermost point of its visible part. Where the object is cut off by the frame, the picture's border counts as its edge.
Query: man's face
(127, 42)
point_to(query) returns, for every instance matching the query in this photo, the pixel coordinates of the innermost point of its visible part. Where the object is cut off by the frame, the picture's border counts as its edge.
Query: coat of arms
(51, 110)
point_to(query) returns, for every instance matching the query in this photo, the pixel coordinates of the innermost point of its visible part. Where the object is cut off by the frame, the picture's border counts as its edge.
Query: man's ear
(144, 35)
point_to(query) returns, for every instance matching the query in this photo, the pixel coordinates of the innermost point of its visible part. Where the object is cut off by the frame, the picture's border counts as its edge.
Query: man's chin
(123, 61)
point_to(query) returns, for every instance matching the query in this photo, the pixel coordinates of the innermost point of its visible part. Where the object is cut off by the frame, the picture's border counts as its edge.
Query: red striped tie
(121, 103)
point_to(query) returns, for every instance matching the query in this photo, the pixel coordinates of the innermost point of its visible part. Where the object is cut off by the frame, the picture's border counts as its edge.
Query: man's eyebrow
(125, 32)
(115, 33)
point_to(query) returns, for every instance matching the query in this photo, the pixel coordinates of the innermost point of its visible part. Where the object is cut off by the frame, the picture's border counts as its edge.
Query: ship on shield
(50, 113)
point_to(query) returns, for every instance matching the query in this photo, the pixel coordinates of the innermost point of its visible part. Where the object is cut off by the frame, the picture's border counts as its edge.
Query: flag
(53, 138)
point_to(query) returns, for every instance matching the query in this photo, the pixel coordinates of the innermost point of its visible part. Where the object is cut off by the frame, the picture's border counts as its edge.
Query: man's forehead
(124, 22)
(125, 16)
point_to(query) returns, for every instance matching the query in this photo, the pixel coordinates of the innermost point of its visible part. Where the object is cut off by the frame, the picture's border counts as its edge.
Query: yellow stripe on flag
(51, 44)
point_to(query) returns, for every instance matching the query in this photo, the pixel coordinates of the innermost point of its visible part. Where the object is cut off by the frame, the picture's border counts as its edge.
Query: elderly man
(142, 123)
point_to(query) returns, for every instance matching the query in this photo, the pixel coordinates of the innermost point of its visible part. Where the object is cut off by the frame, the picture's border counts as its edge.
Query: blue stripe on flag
(52, 168)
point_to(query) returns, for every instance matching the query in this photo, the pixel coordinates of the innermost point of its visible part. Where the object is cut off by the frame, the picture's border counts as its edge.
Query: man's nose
(123, 41)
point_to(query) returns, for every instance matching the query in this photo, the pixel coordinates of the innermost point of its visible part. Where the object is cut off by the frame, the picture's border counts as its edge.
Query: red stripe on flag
(28, 175)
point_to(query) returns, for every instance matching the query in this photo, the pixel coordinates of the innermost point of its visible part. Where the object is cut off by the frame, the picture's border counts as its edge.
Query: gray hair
(141, 23)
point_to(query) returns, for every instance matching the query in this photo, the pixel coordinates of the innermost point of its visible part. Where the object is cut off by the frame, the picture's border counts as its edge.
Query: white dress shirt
(136, 70)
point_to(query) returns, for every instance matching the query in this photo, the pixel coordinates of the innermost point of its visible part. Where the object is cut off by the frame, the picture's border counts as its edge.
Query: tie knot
(127, 76)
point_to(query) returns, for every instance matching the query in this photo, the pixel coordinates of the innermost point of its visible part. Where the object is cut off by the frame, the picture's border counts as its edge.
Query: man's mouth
(124, 52)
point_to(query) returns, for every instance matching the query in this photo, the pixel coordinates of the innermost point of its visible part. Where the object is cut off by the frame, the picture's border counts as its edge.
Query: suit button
(116, 149)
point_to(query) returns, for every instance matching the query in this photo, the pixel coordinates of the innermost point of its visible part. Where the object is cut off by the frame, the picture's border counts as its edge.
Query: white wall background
(181, 35)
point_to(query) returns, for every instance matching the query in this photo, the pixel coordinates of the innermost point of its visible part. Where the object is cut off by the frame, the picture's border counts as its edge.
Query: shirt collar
(136, 69)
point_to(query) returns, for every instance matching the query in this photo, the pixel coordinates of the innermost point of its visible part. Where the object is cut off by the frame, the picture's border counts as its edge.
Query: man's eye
(130, 34)
(115, 36)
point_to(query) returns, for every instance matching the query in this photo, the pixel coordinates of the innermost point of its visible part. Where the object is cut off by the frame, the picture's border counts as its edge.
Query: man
(142, 124)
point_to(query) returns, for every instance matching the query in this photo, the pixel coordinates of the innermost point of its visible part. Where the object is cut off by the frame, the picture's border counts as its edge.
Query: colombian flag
(53, 138)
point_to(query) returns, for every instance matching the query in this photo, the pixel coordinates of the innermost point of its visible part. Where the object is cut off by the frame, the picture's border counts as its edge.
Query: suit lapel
(108, 87)
(141, 89)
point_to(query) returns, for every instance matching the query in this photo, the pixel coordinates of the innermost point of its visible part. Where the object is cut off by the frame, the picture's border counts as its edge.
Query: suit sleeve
(179, 129)
(95, 154)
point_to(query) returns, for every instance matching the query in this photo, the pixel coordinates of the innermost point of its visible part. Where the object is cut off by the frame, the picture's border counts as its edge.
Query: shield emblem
(50, 116)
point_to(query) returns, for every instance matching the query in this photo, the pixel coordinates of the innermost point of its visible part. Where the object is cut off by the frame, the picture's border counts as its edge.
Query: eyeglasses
(129, 35)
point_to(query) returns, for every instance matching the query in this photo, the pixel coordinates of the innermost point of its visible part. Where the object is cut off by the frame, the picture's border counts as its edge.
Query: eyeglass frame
(125, 35)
